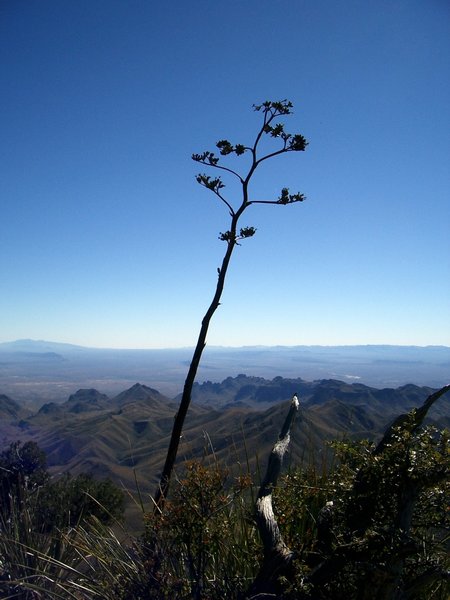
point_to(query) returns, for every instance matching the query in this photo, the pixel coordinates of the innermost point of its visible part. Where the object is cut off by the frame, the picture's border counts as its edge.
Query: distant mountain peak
(140, 388)
(87, 394)
(139, 393)
(87, 400)
(30, 345)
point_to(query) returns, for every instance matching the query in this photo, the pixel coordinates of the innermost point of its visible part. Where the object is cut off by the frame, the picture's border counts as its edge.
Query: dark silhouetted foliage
(256, 154)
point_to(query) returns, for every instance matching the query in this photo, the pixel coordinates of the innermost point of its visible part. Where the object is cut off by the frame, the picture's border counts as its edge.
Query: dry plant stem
(277, 556)
(290, 143)
(180, 417)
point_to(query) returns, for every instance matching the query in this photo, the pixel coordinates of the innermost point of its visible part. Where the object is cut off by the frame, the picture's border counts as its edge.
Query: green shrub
(385, 531)
(205, 537)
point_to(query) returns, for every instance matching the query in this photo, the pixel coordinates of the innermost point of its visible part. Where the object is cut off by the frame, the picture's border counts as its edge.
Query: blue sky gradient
(108, 241)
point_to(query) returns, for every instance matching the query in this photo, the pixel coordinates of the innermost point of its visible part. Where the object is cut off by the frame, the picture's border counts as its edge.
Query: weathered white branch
(277, 555)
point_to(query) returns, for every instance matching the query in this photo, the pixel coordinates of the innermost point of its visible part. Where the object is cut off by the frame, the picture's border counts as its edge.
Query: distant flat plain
(35, 372)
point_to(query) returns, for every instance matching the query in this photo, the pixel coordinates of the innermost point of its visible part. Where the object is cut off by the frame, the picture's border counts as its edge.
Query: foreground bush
(41, 522)
(377, 526)
(204, 544)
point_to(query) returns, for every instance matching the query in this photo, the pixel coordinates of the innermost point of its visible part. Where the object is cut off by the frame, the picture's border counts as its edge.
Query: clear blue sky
(106, 238)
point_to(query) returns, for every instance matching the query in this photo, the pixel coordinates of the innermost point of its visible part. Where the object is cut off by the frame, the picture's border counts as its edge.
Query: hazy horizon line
(222, 346)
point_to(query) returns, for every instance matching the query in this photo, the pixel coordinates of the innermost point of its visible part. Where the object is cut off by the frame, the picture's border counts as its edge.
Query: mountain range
(236, 421)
